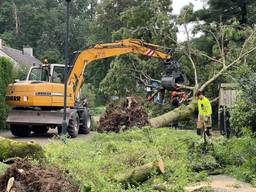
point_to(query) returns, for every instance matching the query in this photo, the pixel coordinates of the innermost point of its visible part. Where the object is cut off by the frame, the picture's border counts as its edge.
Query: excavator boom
(101, 51)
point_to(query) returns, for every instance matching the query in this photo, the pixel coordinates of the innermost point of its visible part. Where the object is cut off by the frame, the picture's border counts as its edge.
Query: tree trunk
(10, 148)
(141, 174)
(181, 113)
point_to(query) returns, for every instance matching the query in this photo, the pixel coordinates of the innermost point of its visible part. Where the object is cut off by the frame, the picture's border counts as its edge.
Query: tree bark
(181, 113)
(10, 149)
(141, 174)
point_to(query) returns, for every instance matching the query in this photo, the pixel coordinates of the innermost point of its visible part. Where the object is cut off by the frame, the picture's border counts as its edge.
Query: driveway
(42, 138)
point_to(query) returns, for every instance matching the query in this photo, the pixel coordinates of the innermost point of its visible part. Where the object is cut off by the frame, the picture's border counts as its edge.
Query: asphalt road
(42, 138)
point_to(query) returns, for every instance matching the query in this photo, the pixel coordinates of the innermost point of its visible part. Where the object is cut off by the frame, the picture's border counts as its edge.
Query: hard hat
(174, 93)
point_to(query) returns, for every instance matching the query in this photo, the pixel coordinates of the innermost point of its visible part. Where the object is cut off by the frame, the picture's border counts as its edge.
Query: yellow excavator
(37, 103)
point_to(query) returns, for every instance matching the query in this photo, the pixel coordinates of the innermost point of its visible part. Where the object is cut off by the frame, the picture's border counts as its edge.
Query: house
(24, 57)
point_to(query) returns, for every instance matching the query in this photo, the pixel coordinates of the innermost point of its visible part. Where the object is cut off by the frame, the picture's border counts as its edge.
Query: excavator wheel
(85, 122)
(20, 130)
(40, 129)
(73, 125)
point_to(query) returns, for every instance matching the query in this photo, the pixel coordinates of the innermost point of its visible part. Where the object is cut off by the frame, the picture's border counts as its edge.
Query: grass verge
(95, 164)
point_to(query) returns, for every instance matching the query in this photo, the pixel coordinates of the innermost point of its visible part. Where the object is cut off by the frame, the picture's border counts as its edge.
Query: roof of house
(19, 57)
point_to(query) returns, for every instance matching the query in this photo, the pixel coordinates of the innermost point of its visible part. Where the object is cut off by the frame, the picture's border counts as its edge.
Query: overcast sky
(177, 5)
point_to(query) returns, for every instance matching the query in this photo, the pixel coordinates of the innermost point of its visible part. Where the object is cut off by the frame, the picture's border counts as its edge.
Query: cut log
(160, 187)
(141, 174)
(181, 113)
(10, 148)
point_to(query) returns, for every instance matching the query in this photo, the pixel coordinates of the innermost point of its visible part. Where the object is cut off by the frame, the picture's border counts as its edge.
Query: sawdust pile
(123, 116)
(22, 176)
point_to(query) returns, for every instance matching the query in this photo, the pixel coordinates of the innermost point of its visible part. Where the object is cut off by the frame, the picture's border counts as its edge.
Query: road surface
(222, 183)
(42, 138)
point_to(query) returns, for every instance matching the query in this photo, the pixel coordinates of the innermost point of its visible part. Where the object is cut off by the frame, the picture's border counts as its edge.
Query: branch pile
(22, 176)
(123, 116)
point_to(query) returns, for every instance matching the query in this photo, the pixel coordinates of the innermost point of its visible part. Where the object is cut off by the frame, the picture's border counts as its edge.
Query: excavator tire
(20, 130)
(73, 125)
(40, 129)
(85, 122)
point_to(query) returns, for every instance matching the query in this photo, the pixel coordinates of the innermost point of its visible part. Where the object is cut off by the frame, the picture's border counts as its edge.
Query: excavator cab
(47, 72)
(38, 74)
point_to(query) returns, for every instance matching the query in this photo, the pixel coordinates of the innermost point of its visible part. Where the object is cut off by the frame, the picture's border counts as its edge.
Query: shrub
(6, 68)
(244, 112)
(243, 117)
(237, 155)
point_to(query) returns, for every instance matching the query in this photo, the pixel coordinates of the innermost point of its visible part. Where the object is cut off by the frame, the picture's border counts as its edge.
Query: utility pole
(64, 122)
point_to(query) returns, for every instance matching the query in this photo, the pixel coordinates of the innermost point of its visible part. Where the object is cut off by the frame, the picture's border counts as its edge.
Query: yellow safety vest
(204, 106)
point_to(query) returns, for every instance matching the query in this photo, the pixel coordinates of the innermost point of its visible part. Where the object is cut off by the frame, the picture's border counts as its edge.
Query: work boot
(208, 133)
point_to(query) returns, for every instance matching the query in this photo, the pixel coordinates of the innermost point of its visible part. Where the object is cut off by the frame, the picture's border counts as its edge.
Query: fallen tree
(10, 148)
(226, 57)
(181, 113)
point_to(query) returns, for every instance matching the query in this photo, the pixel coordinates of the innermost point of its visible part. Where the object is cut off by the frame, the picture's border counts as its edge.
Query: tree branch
(247, 41)
(225, 68)
(189, 55)
(207, 56)
(222, 47)
(185, 86)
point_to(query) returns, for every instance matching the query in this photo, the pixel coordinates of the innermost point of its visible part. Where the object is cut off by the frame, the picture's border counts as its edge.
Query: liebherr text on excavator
(37, 103)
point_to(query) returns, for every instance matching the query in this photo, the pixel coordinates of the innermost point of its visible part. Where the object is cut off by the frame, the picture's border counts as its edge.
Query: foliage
(243, 117)
(220, 44)
(97, 162)
(6, 70)
(244, 111)
(88, 93)
(3, 167)
(238, 157)
(146, 20)
(155, 109)
(219, 10)
(40, 24)
(97, 111)
(20, 72)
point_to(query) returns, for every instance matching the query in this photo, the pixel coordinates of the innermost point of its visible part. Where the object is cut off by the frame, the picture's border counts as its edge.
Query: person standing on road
(204, 114)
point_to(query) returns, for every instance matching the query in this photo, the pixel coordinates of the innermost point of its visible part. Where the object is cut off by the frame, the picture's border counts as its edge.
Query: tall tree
(222, 11)
(147, 20)
(233, 45)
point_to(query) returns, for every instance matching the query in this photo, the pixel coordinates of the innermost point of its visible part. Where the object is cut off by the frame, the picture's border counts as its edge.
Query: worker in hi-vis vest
(204, 114)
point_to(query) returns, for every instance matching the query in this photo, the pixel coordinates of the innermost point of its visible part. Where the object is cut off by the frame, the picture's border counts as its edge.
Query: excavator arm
(101, 51)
